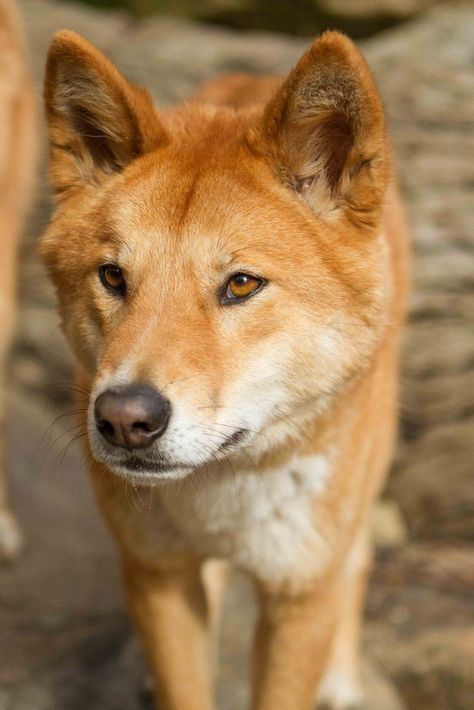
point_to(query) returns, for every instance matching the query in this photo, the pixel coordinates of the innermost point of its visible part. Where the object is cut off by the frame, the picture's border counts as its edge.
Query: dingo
(231, 277)
(17, 158)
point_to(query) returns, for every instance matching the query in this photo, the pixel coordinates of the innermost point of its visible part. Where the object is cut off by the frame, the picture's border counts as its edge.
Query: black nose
(132, 416)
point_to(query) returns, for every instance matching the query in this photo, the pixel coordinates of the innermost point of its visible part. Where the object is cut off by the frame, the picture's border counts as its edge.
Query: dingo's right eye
(113, 279)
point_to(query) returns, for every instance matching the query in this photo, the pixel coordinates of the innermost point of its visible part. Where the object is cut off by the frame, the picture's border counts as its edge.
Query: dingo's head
(220, 274)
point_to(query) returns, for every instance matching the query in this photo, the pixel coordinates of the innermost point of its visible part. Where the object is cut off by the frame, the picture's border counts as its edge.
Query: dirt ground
(65, 640)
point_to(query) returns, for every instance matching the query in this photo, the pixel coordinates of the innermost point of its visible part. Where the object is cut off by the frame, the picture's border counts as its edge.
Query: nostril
(105, 427)
(142, 426)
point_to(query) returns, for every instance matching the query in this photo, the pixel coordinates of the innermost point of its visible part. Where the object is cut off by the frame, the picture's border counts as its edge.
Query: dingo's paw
(340, 691)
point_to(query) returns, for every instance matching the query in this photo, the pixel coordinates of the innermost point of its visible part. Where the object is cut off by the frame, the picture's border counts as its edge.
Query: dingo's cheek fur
(231, 276)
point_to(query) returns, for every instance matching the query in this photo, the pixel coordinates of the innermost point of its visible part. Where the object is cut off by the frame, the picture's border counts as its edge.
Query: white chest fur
(262, 522)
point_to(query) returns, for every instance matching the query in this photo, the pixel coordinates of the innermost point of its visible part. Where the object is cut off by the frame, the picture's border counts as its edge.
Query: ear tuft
(98, 122)
(325, 130)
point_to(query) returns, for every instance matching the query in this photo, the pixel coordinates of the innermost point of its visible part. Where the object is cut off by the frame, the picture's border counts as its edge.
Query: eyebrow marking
(186, 204)
(108, 236)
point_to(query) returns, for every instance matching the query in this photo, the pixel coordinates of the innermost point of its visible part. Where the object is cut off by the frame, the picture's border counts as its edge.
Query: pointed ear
(325, 131)
(98, 122)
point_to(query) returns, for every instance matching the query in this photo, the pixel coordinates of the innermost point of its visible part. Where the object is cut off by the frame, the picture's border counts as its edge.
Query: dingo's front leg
(168, 606)
(293, 645)
(340, 688)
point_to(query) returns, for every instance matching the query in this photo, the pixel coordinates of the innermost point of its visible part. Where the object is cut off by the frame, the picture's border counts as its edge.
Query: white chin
(149, 477)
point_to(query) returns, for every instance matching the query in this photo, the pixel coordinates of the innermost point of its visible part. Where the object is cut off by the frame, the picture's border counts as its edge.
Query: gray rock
(376, 8)
(434, 670)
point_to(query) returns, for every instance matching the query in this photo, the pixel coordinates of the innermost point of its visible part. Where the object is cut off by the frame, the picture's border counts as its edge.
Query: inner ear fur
(325, 131)
(98, 122)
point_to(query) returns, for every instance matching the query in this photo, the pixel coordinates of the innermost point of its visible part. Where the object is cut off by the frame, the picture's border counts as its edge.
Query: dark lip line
(136, 465)
(141, 466)
(234, 438)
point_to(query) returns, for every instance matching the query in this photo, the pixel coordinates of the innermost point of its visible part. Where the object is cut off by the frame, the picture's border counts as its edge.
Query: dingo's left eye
(112, 278)
(241, 286)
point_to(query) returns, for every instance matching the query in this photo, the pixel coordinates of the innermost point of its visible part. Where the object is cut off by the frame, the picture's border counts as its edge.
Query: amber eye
(112, 278)
(241, 286)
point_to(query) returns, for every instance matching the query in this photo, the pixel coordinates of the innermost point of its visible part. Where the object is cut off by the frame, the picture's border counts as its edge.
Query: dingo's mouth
(134, 463)
(148, 469)
(147, 472)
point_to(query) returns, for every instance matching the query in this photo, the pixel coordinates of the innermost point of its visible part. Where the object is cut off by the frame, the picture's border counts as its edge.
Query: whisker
(183, 379)
(72, 387)
(54, 443)
(135, 497)
(75, 438)
(48, 431)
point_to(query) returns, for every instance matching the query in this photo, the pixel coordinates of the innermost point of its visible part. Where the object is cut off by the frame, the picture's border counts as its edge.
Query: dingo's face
(217, 281)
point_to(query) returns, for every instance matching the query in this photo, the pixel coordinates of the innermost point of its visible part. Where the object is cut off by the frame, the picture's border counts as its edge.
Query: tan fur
(17, 157)
(289, 179)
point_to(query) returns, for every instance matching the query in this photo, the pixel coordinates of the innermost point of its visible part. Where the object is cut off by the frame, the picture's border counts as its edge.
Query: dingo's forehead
(202, 188)
(213, 214)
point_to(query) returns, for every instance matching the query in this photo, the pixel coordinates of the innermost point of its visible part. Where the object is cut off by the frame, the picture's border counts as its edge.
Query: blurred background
(65, 640)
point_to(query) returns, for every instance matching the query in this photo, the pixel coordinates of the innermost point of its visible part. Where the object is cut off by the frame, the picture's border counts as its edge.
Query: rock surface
(65, 640)
(359, 18)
